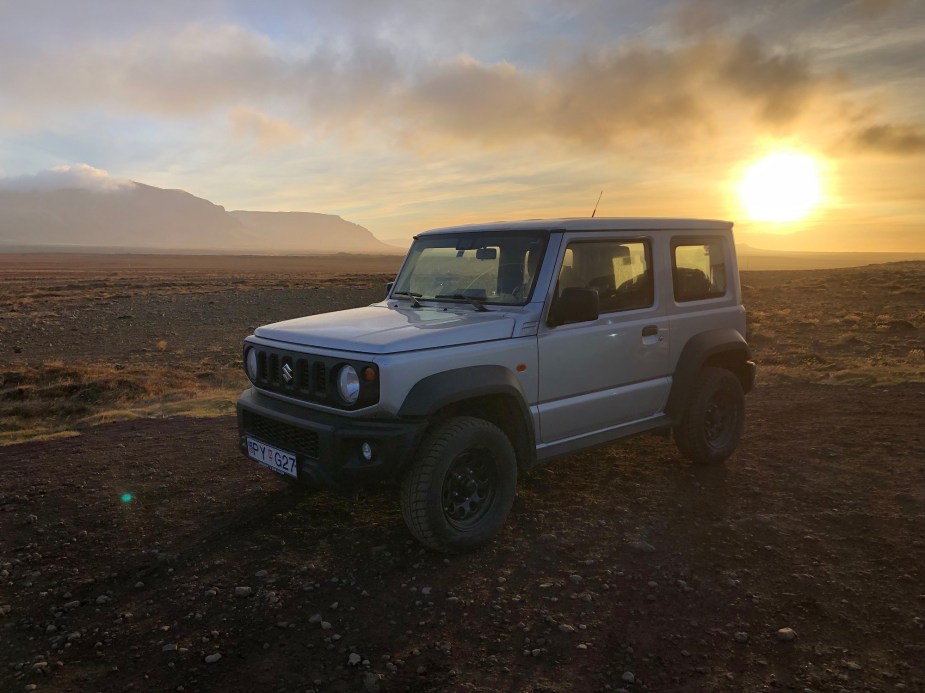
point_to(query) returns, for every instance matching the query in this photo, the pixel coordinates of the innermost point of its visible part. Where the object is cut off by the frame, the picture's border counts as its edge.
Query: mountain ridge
(140, 217)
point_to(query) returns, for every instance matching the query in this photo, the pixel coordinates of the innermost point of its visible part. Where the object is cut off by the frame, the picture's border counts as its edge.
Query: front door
(600, 374)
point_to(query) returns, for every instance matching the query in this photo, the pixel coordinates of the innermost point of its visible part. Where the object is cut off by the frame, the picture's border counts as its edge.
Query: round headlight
(348, 384)
(250, 364)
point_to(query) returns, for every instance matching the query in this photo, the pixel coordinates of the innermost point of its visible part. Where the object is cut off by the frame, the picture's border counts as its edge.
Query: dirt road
(621, 568)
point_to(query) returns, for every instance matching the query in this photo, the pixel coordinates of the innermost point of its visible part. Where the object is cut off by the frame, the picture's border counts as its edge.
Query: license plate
(274, 458)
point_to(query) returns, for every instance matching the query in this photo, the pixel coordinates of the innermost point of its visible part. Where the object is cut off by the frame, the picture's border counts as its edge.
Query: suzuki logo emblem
(287, 373)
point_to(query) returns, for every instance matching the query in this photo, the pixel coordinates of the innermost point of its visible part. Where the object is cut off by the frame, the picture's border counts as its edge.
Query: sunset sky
(410, 114)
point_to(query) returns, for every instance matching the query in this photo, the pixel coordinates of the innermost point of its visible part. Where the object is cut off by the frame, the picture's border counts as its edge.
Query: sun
(782, 187)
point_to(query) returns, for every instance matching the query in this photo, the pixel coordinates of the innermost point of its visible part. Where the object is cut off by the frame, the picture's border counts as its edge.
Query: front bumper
(327, 446)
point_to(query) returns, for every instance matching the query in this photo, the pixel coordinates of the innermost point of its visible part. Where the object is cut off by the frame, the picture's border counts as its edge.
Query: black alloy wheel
(469, 488)
(460, 488)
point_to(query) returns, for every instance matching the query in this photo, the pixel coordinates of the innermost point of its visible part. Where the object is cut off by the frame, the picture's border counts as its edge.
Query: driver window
(620, 272)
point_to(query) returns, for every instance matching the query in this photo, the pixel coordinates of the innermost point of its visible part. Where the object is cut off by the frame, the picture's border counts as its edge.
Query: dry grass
(860, 326)
(55, 398)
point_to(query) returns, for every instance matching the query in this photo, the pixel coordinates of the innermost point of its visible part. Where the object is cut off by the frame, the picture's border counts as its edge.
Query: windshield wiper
(412, 295)
(474, 302)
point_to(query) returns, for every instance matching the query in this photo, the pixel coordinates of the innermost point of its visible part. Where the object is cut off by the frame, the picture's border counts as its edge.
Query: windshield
(477, 268)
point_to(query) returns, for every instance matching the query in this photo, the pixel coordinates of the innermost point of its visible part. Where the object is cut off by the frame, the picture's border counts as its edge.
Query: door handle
(650, 330)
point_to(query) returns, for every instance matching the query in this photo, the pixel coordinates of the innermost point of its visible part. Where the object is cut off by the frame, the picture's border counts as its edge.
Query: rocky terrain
(148, 554)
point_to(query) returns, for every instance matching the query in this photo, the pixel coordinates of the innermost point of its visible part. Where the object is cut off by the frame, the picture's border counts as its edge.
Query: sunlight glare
(781, 187)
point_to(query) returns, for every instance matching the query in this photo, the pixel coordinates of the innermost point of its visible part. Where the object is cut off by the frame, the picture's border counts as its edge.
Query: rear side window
(620, 272)
(699, 269)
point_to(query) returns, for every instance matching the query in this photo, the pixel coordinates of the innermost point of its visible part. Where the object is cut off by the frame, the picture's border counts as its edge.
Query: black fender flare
(439, 390)
(698, 350)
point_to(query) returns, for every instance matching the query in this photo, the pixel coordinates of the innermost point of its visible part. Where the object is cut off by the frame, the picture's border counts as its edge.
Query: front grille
(320, 379)
(310, 377)
(290, 438)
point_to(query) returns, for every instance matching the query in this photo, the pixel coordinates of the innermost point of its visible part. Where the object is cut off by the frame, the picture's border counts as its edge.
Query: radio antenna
(596, 204)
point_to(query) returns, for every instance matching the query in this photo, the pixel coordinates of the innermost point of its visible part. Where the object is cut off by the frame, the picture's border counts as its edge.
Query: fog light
(367, 451)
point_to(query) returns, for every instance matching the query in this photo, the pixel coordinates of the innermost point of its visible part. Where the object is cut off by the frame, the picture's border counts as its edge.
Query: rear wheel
(713, 422)
(461, 486)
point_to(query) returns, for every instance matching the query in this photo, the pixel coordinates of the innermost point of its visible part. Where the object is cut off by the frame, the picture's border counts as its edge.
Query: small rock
(325, 625)
(139, 585)
(629, 677)
(575, 578)
(786, 634)
(102, 599)
(72, 605)
(370, 682)
(213, 658)
(854, 666)
(51, 629)
(315, 618)
(169, 647)
(243, 591)
(260, 574)
(741, 636)
(425, 591)
(566, 628)
(641, 546)
(354, 659)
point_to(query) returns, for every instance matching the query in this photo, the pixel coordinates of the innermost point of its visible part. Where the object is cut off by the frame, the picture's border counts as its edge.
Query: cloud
(361, 86)
(474, 101)
(675, 93)
(266, 131)
(896, 140)
(156, 72)
(379, 74)
(81, 176)
(780, 83)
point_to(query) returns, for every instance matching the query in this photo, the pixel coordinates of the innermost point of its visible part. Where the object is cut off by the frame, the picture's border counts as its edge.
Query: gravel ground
(797, 566)
(150, 555)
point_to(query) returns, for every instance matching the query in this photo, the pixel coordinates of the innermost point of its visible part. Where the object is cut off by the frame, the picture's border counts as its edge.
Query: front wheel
(712, 424)
(461, 486)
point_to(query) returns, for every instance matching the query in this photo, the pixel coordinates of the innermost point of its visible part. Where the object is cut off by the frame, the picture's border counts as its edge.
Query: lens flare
(127, 497)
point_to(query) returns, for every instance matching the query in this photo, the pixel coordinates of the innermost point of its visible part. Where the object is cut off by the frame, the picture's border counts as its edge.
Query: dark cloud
(780, 83)
(896, 140)
(677, 93)
(476, 101)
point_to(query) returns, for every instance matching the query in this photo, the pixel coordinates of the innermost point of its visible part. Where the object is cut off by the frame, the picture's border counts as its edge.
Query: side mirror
(388, 288)
(574, 305)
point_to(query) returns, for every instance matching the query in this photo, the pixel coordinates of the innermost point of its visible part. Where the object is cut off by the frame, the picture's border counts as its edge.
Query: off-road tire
(712, 424)
(460, 455)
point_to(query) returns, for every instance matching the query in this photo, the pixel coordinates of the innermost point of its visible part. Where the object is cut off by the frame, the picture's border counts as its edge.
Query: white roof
(589, 224)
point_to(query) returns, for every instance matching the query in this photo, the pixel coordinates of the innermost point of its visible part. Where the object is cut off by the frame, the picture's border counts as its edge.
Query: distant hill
(758, 259)
(404, 243)
(145, 218)
(324, 233)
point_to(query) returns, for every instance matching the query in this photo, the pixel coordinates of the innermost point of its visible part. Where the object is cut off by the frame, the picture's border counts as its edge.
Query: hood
(379, 329)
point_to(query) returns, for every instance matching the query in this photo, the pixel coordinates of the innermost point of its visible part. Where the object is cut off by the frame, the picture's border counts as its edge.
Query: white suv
(498, 347)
